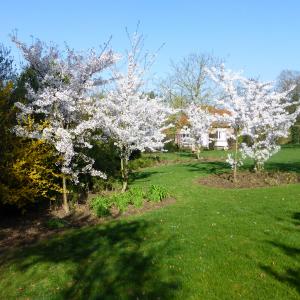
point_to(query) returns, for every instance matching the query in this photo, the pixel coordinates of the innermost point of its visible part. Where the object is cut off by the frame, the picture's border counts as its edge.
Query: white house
(218, 135)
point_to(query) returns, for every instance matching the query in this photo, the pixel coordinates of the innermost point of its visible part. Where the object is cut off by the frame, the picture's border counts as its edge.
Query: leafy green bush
(121, 201)
(56, 223)
(171, 146)
(101, 205)
(100, 184)
(157, 193)
(295, 134)
(137, 196)
(143, 162)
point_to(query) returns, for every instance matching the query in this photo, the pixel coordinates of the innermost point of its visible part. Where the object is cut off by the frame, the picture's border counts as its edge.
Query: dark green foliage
(157, 193)
(101, 205)
(295, 134)
(135, 154)
(144, 162)
(107, 160)
(7, 71)
(56, 223)
(171, 147)
(121, 201)
(137, 196)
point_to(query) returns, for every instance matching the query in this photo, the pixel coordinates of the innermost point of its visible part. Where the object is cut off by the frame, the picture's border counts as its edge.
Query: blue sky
(260, 37)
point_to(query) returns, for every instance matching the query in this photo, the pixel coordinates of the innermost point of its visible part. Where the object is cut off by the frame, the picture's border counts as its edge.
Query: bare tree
(288, 78)
(189, 79)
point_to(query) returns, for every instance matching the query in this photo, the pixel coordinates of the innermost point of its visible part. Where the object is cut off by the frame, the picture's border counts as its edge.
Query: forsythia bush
(27, 166)
(31, 176)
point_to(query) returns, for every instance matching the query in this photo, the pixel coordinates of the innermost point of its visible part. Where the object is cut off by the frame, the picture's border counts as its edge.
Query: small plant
(137, 196)
(157, 193)
(122, 201)
(56, 223)
(101, 205)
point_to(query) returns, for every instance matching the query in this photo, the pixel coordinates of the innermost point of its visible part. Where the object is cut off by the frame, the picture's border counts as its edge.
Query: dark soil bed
(147, 206)
(22, 230)
(249, 180)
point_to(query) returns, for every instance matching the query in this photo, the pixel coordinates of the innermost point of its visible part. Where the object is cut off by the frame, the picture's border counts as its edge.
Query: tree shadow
(141, 176)
(208, 167)
(186, 154)
(116, 261)
(290, 275)
(286, 167)
(288, 146)
(296, 218)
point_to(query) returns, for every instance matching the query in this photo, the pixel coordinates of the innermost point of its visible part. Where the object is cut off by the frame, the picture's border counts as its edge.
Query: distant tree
(7, 71)
(286, 80)
(189, 80)
(269, 120)
(256, 110)
(200, 121)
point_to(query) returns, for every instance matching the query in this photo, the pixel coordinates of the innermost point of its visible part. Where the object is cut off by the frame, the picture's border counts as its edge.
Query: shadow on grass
(291, 275)
(117, 261)
(208, 167)
(288, 146)
(286, 167)
(186, 154)
(296, 217)
(141, 176)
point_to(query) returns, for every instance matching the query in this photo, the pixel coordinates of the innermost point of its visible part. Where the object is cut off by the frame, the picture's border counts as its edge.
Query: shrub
(156, 193)
(101, 205)
(143, 162)
(295, 134)
(121, 201)
(135, 154)
(100, 184)
(171, 146)
(137, 196)
(56, 223)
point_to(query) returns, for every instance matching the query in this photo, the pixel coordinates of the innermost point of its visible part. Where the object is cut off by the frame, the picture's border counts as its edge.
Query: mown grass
(211, 244)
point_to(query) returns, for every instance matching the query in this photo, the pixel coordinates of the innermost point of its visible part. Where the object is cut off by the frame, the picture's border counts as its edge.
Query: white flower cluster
(257, 111)
(200, 121)
(130, 117)
(73, 117)
(234, 162)
(64, 85)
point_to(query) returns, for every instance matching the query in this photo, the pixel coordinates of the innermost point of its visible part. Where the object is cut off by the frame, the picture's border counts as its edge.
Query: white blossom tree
(132, 119)
(233, 99)
(65, 83)
(269, 120)
(200, 120)
(256, 110)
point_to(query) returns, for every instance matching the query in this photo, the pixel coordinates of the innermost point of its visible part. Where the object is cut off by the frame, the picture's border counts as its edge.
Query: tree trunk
(198, 153)
(258, 167)
(124, 173)
(65, 196)
(235, 159)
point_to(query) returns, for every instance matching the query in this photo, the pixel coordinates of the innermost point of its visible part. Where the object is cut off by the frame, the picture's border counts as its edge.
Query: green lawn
(210, 244)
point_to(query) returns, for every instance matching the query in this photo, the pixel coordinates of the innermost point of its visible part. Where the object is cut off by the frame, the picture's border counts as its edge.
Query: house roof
(216, 111)
(183, 119)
